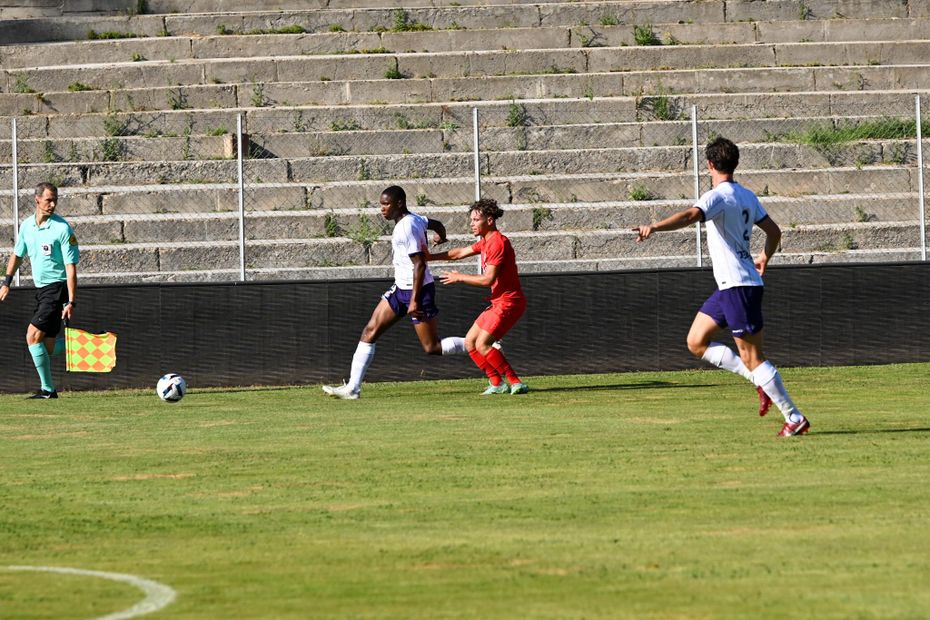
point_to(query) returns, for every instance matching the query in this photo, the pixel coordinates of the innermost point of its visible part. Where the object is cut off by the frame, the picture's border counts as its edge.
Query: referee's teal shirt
(50, 247)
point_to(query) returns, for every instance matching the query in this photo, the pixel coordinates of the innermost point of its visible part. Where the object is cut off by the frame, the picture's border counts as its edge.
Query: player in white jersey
(413, 293)
(730, 212)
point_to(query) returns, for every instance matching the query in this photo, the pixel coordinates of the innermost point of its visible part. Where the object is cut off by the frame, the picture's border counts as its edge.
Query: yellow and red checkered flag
(86, 352)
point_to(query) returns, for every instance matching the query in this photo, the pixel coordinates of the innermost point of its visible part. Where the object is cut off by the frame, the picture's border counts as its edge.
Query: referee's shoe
(45, 394)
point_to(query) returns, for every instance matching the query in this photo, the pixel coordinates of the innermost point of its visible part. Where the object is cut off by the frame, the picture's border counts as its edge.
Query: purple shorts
(739, 308)
(399, 299)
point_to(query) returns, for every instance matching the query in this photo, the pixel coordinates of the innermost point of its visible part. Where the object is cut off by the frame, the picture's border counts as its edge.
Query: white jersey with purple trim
(730, 212)
(409, 237)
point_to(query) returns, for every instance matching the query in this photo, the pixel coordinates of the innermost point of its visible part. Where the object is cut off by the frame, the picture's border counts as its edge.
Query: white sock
(364, 353)
(452, 345)
(722, 356)
(766, 377)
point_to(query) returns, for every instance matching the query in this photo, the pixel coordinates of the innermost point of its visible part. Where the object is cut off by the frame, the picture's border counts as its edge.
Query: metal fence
(288, 192)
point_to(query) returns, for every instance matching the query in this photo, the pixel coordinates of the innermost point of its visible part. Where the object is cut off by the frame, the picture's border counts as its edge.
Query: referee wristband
(67, 303)
(7, 281)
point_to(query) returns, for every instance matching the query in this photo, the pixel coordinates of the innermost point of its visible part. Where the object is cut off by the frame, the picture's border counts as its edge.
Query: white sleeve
(710, 204)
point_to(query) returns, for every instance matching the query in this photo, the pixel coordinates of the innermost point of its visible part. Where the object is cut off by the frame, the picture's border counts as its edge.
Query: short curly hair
(487, 207)
(723, 154)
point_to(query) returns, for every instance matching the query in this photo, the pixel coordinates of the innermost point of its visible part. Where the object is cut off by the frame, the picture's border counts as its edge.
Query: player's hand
(450, 277)
(413, 309)
(438, 239)
(642, 232)
(761, 261)
(4, 291)
(67, 312)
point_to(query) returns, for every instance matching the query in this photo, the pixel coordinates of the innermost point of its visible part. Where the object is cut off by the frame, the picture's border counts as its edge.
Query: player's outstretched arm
(453, 254)
(439, 228)
(485, 279)
(672, 222)
(772, 240)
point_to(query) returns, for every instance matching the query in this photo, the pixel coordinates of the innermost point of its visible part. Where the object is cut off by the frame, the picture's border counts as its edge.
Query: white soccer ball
(171, 388)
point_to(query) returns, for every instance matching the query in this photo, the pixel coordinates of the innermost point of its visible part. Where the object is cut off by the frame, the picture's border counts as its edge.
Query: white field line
(157, 595)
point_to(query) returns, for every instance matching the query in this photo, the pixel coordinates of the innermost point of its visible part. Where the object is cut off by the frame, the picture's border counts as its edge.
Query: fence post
(474, 123)
(920, 184)
(15, 154)
(241, 198)
(697, 181)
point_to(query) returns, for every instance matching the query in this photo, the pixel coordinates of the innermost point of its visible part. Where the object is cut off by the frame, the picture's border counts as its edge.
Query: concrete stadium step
(476, 16)
(550, 37)
(529, 246)
(668, 86)
(524, 113)
(542, 190)
(129, 74)
(869, 158)
(357, 223)
(593, 137)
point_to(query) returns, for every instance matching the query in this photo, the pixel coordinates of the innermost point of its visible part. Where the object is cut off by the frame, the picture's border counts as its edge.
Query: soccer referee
(53, 252)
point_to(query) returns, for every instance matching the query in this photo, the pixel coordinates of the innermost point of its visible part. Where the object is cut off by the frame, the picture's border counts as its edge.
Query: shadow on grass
(646, 385)
(870, 431)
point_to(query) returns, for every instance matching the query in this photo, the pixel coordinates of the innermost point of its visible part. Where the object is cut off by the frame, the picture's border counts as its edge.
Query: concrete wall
(21, 9)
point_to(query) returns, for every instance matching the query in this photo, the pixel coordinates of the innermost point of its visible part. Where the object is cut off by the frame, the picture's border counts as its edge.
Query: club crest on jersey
(72, 240)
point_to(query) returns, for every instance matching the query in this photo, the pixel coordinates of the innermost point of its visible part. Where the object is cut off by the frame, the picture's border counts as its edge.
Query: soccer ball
(171, 388)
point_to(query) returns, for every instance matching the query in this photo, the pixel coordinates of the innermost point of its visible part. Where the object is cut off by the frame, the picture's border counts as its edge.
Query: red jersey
(495, 249)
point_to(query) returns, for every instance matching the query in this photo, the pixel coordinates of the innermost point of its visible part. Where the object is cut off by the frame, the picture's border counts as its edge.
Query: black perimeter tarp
(274, 333)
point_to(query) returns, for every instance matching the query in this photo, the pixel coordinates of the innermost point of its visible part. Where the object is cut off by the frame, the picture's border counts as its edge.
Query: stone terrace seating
(584, 111)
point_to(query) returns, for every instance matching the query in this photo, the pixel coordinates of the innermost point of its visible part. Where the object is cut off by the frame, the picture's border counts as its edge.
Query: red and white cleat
(796, 428)
(765, 403)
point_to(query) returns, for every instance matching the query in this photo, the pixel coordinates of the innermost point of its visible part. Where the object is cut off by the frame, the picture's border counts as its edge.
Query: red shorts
(500, 317)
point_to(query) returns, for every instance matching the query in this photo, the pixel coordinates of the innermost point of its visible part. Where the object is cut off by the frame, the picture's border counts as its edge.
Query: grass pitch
(648, 495)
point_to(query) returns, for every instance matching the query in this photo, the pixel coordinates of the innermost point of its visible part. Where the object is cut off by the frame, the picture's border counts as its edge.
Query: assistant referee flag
(86, 352)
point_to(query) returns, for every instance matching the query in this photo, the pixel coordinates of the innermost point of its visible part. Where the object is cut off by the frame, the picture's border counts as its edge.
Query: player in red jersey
(498, 271)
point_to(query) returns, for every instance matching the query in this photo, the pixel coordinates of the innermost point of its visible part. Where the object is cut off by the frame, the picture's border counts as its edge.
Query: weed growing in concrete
(422, 200)
(349, 125)
(49, 156)
(402, 23)
(661, 106)
(136, 57)
(177, 99)
(330, 225)
(336, 28)
(517, 116)
(93, 35)
(645, 35)
(394, 73)
(363, 172)
(609, 20)
(22, 85)
(77, 87)
(364, 232)
(641, 193)
(540, 215)
(259, 100)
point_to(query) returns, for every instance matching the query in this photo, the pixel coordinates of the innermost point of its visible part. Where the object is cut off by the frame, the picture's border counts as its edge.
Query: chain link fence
(171, 196)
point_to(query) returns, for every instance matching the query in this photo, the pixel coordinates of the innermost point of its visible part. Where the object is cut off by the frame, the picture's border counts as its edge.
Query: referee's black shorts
(50, 301)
